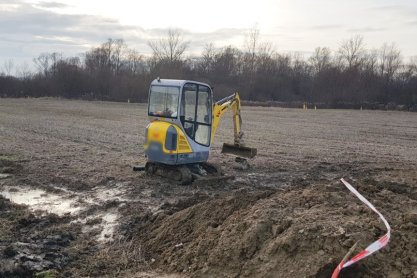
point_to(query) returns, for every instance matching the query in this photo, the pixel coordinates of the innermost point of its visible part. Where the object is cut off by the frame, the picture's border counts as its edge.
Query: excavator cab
(180, 112)
(183, 121)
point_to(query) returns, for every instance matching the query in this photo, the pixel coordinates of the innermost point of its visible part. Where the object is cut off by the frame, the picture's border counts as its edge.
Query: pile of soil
(298, 232)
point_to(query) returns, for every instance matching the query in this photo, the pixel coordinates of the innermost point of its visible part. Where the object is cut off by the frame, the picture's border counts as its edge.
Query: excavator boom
(219, 108)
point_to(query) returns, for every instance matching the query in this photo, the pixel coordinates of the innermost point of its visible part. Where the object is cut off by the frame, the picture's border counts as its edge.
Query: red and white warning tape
(375, 246)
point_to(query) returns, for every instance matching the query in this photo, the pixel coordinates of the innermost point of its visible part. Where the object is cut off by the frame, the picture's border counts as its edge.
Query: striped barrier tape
(372, 248)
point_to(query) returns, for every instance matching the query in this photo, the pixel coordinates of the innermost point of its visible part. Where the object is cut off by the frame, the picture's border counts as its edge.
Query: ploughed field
(70, 204)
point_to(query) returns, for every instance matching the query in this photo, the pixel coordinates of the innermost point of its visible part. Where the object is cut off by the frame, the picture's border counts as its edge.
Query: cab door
(195, 112)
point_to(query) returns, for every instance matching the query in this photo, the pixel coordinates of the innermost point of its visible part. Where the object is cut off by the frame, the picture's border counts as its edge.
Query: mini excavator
(183, 122)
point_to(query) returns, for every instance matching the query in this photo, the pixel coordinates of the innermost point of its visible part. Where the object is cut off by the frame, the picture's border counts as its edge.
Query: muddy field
(70, 204)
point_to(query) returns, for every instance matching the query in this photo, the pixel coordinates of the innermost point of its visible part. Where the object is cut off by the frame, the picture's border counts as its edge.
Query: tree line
(350, 76)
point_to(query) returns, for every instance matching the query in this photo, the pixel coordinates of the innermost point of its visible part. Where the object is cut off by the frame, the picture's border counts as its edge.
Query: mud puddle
(88, 208)
(4, 176)
(40, 200)
(105, 222)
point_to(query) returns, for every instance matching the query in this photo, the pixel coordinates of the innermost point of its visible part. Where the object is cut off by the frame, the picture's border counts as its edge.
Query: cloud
(27, 30)
(386, 7)
(401, 12)
(326, 27)
(412, 22)
(47, 31)
(366, 29)
(31, 21)
(225, 36)
(51, 5)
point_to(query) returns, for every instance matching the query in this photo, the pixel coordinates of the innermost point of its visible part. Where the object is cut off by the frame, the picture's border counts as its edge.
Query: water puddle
(105, 222)
(4, 176)
(73, 203)
(40, 200)
(104, 194)
(109, 223)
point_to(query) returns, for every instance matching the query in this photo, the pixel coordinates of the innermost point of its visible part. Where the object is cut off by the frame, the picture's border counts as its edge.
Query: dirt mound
(302, 232)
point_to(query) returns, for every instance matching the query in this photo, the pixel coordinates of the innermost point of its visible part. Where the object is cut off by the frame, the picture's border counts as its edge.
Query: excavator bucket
(239, 150)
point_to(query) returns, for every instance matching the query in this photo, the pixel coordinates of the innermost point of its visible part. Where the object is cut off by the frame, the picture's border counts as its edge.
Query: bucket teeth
(239, 150)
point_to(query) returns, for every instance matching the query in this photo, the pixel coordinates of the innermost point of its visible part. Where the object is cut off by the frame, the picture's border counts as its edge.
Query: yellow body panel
(182, 143)
(157, 131)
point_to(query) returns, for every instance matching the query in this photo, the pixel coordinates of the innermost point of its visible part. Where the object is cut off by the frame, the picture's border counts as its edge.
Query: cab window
(204, 105)
(163, 101)
(196, 112)
(189, 98)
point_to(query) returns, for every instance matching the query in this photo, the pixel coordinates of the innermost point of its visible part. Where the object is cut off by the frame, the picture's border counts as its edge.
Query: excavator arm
(219, 108)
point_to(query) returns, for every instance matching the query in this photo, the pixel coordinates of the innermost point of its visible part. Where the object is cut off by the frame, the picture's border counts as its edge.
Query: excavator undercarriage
(188, 173)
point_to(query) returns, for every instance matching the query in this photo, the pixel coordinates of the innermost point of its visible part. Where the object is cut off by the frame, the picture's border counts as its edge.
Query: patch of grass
(8, 157)
(52, 273)
(8, 163)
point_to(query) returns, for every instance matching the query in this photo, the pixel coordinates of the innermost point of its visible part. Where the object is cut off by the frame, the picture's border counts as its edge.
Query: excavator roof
(175, 82)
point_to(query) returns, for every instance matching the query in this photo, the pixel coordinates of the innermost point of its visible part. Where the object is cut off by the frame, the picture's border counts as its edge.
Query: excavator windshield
(163, 101)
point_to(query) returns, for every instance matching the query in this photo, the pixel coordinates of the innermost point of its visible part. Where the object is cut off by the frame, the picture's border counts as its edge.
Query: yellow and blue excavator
(183, 122)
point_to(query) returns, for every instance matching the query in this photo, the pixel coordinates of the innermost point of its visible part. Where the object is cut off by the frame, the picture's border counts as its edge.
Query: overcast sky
(28, 28)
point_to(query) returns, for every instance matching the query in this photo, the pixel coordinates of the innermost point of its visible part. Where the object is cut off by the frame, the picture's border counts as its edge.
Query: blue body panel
(192, 157)
(156, 154)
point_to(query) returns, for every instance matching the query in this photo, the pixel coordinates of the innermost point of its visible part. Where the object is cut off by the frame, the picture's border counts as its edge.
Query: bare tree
(118, 51)
(351, 52)
(42, 62)
(96, 60)
(106, 49)
(256, 53)
(55, 58)
(412, 66)
(251, 44)
(74, 61)
(207, 58)
(135, 62)
(8, 66)
(265, 49)
(109, 57)
(226, 62)
(23, 71)
(370, 61)
(171, 48)
(410, 70)
(389, 60)
(320, 59)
